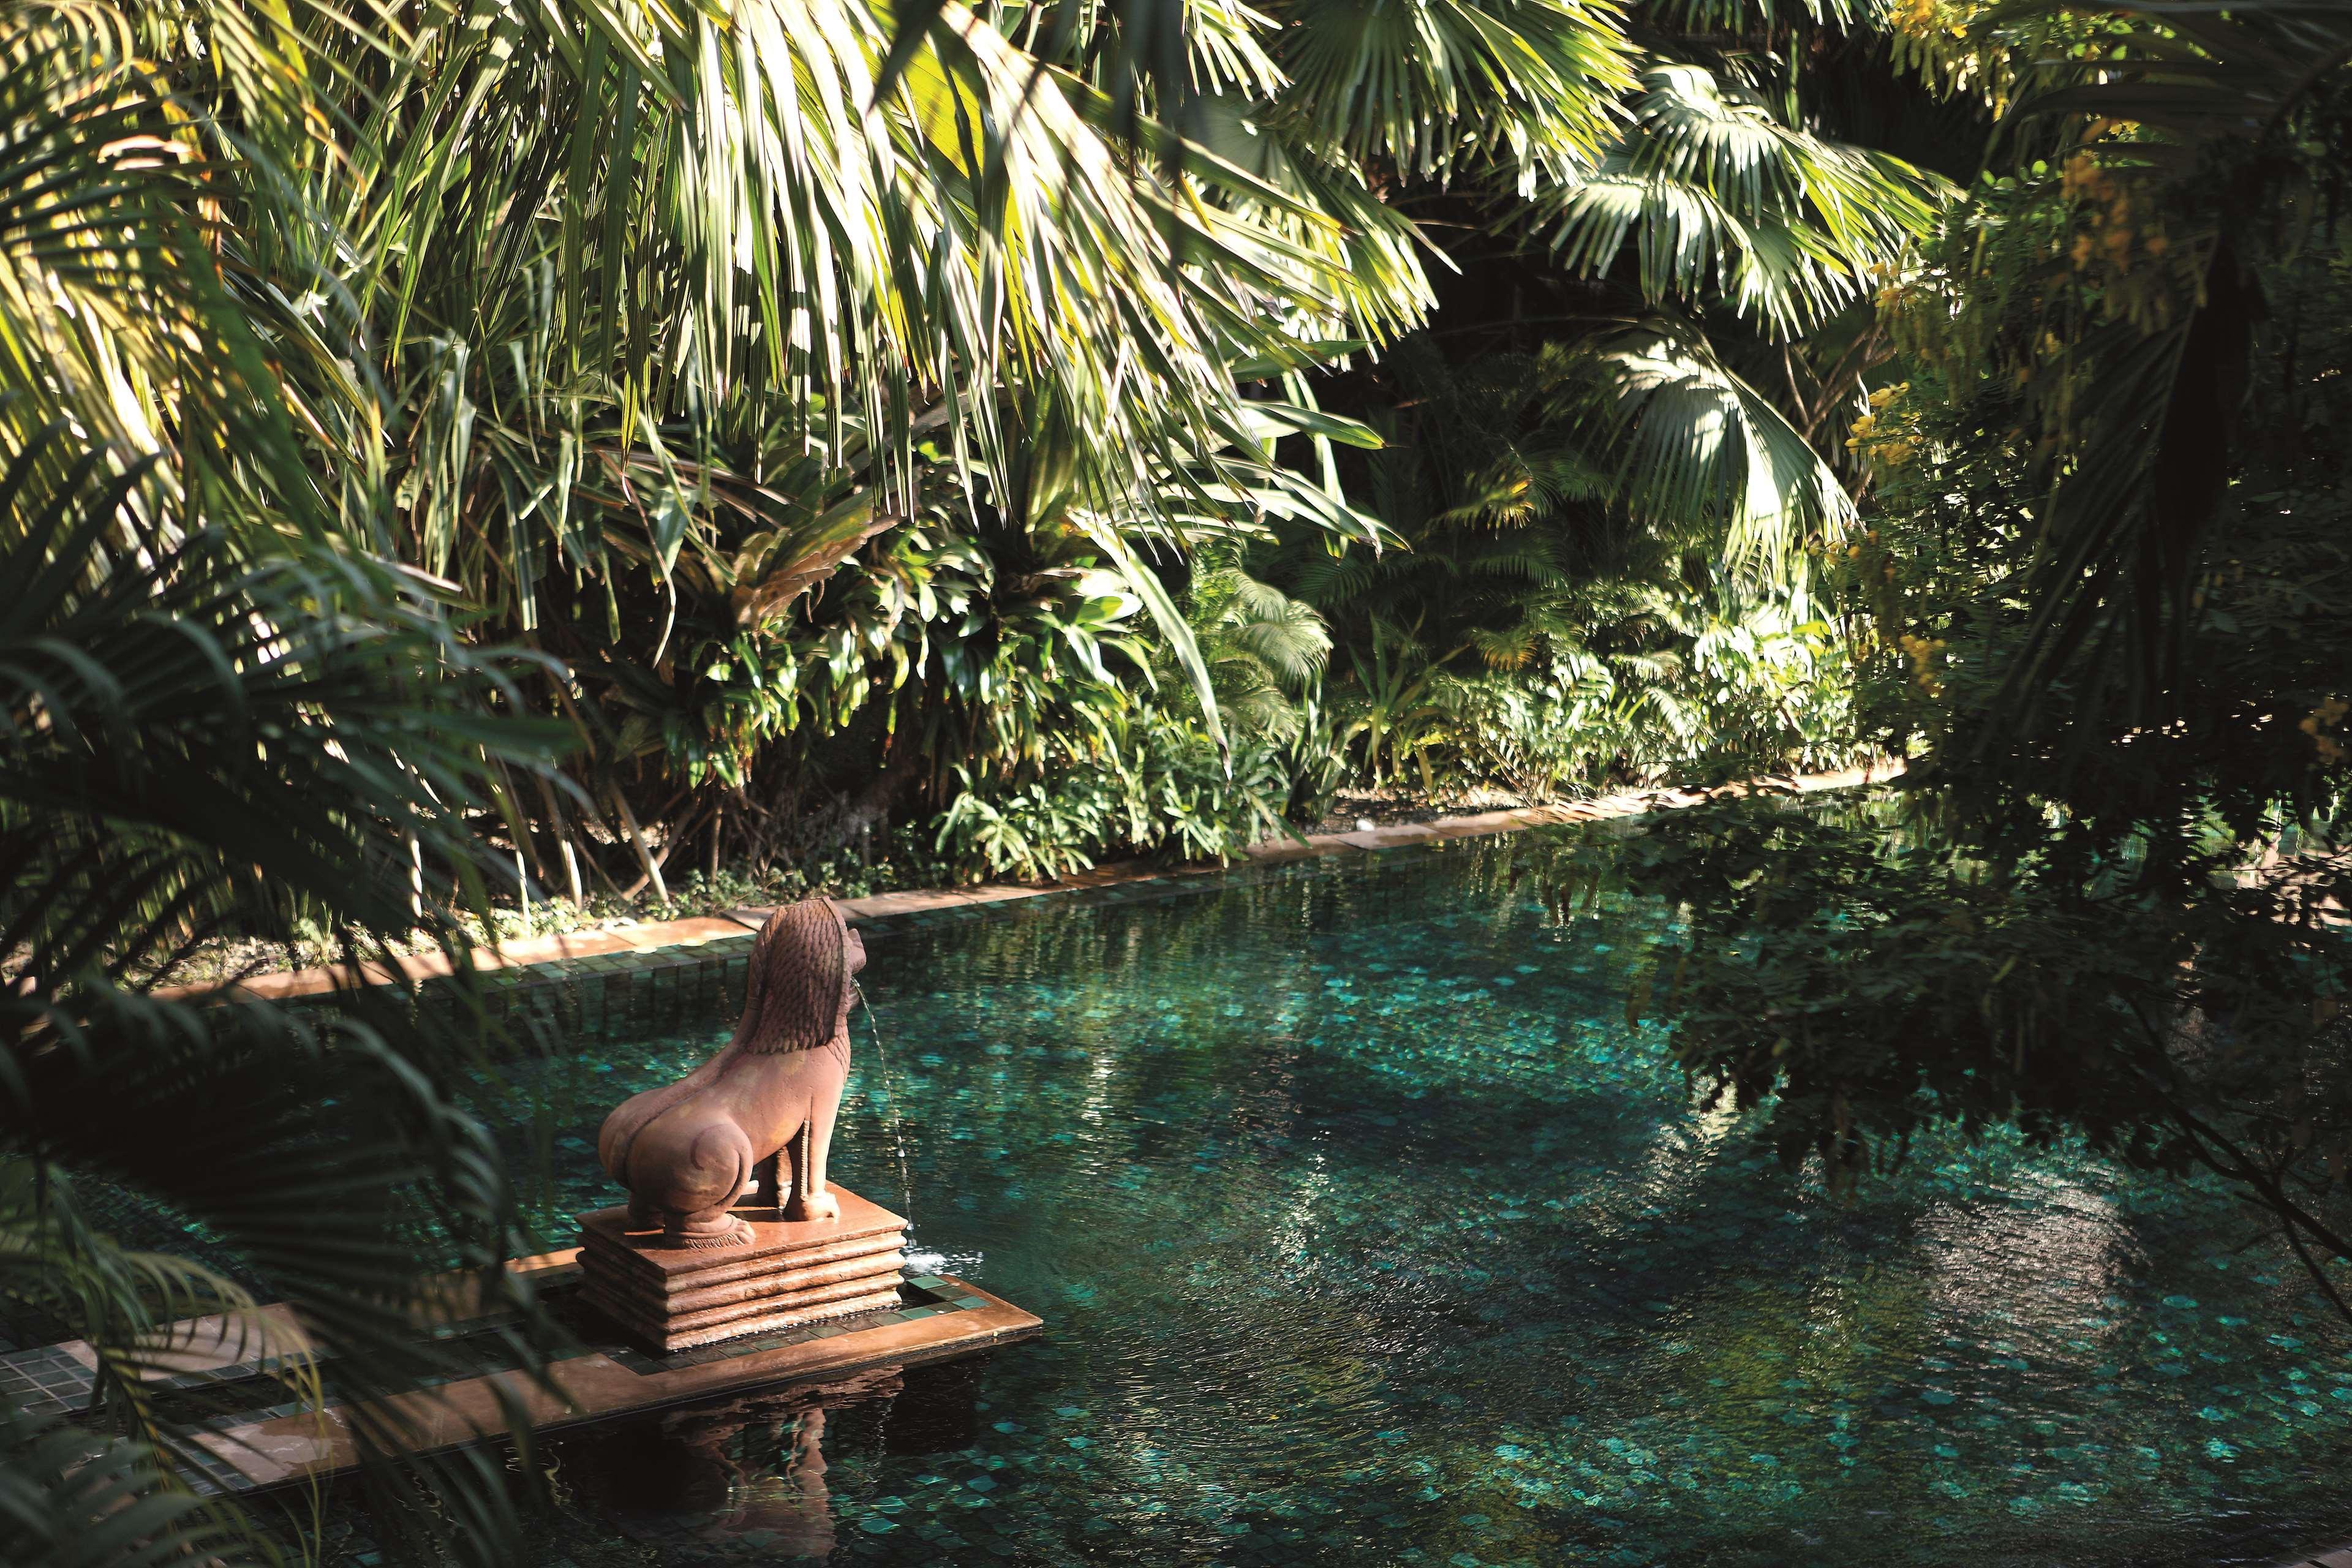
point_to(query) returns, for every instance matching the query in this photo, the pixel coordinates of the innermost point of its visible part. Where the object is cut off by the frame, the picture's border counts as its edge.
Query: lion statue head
(799, 992)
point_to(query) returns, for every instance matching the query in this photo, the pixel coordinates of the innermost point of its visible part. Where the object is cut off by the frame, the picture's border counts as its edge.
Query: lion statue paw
(813, 1206)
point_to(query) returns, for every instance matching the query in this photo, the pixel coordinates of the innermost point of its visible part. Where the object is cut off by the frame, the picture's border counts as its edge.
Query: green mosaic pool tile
(44, 1380)
(236, 1371)
(204, 1471)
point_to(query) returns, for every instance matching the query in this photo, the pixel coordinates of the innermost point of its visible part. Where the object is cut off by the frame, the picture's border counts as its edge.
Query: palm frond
(1244, 618)
(75, 1498)
(114, 315)
(1431, 85)
(1713, 191)
(213, 732)
(1693, 442)
(2194, 74)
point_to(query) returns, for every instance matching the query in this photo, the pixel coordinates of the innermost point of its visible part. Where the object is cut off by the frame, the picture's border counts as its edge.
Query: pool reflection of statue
(751, 1468)
(688, 1151)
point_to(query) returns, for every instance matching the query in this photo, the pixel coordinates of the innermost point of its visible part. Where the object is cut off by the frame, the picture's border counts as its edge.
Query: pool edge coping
(657, 936)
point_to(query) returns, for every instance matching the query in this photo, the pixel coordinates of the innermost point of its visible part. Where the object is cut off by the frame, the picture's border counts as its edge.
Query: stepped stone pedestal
(790, 1272)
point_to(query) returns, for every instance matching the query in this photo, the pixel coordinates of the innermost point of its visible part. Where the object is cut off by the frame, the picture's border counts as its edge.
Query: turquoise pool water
(1367, 1230)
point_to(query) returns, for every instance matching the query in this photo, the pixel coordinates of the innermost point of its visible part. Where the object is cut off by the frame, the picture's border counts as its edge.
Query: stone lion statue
(687, 1150)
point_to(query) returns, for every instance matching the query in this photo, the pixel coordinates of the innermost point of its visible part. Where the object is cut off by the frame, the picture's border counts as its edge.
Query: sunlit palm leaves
(1695, 441)
(1429, 86)
(1263, 649)
(1728, 208)
(627, 268)
(744, 240)
(1719, 198)
(112, 314)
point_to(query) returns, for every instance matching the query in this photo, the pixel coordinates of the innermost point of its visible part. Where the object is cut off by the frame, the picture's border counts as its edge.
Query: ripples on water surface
(1367, 1230)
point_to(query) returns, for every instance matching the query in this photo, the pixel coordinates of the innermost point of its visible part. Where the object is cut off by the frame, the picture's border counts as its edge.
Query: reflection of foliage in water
(2165, 996)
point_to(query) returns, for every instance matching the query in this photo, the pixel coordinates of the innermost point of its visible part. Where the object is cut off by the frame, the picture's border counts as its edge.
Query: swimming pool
(1367, 1229)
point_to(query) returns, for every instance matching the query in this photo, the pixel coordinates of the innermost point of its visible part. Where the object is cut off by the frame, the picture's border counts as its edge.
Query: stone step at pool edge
(619, 1261)
(942, 1317)
(665, 1336)
(939, 1317)
(885, 1258)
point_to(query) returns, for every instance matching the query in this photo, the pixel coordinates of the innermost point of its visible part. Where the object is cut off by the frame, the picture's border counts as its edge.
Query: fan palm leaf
(1430, 86)
(1715, 195)
(1693, 442)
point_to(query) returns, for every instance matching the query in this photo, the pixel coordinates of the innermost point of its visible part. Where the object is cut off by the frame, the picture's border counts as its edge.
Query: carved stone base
(790, 1272)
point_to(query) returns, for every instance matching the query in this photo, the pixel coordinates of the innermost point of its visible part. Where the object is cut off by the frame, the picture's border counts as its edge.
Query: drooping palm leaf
(113, 315)
(196, 741)
(71, 1499)
(1692, 442)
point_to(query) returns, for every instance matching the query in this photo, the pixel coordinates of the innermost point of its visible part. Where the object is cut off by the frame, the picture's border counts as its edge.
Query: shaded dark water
(1367, 1230)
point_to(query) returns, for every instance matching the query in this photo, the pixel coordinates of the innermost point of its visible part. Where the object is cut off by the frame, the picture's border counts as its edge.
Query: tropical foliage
(219, 718)
(835, 498)
(2099, 600)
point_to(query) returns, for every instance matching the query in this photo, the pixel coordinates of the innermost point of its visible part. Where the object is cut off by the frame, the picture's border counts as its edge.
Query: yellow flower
(2326, 716)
